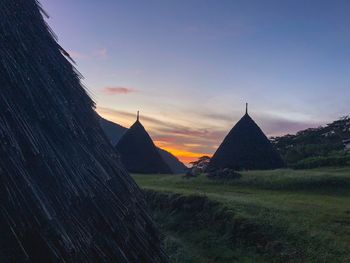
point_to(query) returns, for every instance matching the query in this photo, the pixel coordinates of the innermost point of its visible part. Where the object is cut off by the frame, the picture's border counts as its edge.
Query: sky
(190, 66)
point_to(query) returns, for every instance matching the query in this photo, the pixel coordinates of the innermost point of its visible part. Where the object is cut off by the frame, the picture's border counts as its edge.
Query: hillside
(324, 142)
(265, 216)
(173, 162)
(115, 131)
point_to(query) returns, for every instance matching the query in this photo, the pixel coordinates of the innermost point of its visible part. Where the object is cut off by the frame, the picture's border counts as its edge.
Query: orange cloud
(185, 142)
(189, 140)
(100, 53)
(117, 90)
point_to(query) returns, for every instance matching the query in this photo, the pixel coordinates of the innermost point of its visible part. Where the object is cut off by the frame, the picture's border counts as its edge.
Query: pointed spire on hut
(246, 108)
(246, 148)
(138, 152)
(138, 116)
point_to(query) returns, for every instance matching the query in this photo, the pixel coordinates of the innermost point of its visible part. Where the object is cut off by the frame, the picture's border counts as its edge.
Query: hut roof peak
(138, 152)
(246, 147)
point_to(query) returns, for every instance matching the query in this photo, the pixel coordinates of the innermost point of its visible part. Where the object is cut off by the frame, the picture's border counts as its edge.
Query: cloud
(77, 55)
(97, 53)
(127, 115)
(117, 90)
(219, 116)
(100, 53)
(185, 142)
(278, 126)
(271, 124)
(188, 142)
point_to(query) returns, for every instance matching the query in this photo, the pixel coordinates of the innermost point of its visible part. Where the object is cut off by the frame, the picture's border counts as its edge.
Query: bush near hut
(335, 160)
(197, 167)
(223, 174)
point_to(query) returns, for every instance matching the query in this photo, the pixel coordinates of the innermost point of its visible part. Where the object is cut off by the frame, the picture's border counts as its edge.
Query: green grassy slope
(307, 211)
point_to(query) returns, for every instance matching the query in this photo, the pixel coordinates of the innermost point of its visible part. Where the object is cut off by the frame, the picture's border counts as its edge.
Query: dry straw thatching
(64, 196)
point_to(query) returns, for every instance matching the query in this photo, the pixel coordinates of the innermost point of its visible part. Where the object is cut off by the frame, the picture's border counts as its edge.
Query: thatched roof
(138, 152)
(63, 194)
(246, 148)
(115, 132)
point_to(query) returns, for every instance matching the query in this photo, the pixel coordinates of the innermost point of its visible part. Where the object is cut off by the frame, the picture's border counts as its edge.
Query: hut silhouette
(64, 195)
(246, 148)
(138, 152)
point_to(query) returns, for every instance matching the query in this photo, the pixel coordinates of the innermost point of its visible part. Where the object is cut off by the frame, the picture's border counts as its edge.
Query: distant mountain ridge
(114, 132)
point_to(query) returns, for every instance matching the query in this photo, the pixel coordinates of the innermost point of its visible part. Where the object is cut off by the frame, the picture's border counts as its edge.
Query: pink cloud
(117, 90)
(77, 55)
(100, 53)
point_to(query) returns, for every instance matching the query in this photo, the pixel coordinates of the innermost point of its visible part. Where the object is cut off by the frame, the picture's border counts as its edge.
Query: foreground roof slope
(64, 196)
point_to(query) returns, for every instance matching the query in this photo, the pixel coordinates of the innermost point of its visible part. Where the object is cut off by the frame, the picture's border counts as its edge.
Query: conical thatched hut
(138, 152)
(246, 148)
(64, 197)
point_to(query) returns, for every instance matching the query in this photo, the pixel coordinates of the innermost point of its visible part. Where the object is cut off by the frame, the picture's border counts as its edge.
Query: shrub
(322, 161)
(192, 172)
(224, 174)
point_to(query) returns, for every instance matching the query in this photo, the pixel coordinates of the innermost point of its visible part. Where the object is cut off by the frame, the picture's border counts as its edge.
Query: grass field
(265, 216)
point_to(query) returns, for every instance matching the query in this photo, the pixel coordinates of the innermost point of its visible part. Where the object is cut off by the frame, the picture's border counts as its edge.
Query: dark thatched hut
(138, 152)
(64, 196)
(114, 133)
(246, 148)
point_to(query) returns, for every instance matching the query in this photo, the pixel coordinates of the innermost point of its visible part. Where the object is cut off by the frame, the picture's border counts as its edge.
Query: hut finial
(138, 116)
(246, 108)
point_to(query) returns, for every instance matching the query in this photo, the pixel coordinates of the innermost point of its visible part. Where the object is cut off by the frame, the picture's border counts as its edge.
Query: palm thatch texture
(246, 148)
(138, 152)
(64, 196)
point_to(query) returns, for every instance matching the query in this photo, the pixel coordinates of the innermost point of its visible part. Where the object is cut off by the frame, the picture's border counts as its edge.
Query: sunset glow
(191, 77)
(186, 140)
(171, 142)
(184, 156)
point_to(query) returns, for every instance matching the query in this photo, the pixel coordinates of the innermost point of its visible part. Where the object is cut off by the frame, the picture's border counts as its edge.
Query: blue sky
(191, 65)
